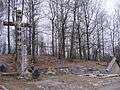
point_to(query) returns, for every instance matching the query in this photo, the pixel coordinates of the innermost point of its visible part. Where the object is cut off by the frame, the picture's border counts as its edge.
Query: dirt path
(64, 82)
(113, 87)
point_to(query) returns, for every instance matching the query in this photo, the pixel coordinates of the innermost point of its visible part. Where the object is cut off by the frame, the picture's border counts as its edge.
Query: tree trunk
(79, 39)
(72, 34)
(103, 42)
(30, 31)
(9, 27)
(33, 33)
(88, 47)
(63, 41)
(53, 53)
(98, 45)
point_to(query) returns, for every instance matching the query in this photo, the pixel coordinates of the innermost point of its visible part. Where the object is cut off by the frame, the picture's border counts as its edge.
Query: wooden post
(18, 40)
(25, 62)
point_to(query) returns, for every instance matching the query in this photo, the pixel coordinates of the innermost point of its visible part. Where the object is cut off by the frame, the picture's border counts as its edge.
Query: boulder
(35, 74)
(113, 67)
(3, 68)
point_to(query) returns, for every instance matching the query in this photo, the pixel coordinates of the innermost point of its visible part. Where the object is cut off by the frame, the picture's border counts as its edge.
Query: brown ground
(84, 82)
(69, 81)
(48, 61)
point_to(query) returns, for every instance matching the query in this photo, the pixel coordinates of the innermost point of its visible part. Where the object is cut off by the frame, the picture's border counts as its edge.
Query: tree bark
(33, 33)
(53, 51)
(73, 31)
(9, 49)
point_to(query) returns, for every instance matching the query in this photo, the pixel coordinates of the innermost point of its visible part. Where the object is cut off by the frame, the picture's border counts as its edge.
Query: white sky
(110, 6)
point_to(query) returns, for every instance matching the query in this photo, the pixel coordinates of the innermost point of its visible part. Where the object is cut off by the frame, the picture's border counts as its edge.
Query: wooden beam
(10, 23)
(10, 74)
(13, 24)
(26, 25)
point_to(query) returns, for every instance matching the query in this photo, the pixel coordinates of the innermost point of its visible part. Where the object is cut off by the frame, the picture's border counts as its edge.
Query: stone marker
(113, 67)
(24, 64)
(24, 60)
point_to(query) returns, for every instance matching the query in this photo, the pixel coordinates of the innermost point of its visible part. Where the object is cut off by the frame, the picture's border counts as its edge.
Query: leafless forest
(58, 34)
(62, 28)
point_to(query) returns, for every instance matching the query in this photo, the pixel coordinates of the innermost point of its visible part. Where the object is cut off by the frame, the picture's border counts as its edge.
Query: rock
(2, 88)
(30, 69)
(113, 67)
(35, 74)
(56, 85)
(51, 71)
(3, 68)
(96, 73)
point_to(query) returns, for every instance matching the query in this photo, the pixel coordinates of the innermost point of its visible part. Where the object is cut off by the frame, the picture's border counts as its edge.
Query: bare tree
(8, 27)
(52, 6)
(90, 11)
(73, 29)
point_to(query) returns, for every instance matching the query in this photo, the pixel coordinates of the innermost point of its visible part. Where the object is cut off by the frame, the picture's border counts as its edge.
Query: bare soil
(58, 81)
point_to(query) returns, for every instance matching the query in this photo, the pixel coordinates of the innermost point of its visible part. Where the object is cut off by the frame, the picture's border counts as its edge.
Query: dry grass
(48, 61)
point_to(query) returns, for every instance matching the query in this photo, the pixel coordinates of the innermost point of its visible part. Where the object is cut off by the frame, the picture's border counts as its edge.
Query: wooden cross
(18, 26)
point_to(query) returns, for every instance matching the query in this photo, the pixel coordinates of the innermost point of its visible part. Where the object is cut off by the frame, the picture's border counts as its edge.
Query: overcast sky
(110, 5)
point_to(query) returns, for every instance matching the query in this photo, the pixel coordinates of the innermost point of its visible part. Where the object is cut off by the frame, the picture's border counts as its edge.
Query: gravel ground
(64, 82)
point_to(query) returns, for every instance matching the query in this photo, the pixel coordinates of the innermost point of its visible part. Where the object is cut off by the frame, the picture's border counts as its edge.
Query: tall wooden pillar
(18, 40)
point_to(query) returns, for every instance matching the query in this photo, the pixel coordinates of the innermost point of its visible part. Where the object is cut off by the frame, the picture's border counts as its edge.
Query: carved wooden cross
(18, 26)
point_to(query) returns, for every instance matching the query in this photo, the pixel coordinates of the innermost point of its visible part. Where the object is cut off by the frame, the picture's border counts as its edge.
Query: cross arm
(26, 25)
(13, 24)
(8, 23)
